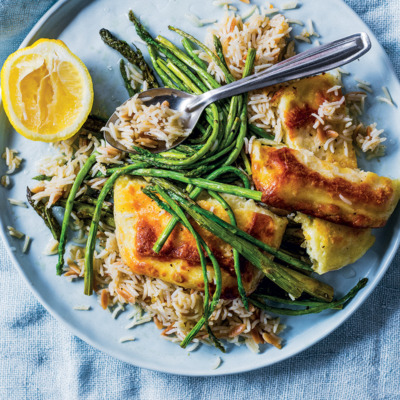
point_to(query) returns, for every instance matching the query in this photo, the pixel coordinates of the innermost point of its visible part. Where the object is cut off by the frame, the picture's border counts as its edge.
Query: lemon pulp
(47, 91)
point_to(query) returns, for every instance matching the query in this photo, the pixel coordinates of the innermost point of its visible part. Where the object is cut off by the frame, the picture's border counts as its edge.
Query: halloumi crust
(331, 246)
(139, 222)
(295, 103)
(296, 180)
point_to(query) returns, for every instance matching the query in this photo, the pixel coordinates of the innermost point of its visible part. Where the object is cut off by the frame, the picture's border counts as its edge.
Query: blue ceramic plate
(77, 23)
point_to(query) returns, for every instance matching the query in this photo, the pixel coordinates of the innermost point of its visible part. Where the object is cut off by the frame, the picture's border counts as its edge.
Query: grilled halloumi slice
(296, 103)
(139, 222)
(296, 180)
(331, 246)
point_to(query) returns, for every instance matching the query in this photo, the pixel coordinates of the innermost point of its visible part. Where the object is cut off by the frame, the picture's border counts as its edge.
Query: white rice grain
(371, 139)
(365, 87)
(311, 29)
(303, 38)
(13, 162)
(5, 181)
(221, 3)
(269, 11)
(13, 232)
(26, 244)
(139, 321)
(250, 148)
(117, 311)
(82, 308)
(249, 13)
(290, 5)
(295, 21)
(210, 21)
(216, 363)
(387, 94)
(342, 71)
(193, 347)
(51, 248)
(246, 145)
(316, 116)
(328, 144)
(366, 83)
(194, 19)
(345, 200)
(346, 148)
(125, 339)
(18, 203)
(334, 89)
(384, 100)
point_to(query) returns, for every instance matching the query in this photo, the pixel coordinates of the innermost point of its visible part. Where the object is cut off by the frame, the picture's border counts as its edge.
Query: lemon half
(46, 90)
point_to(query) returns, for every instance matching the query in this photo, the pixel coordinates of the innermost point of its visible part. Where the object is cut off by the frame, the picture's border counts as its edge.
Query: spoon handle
(308, 63)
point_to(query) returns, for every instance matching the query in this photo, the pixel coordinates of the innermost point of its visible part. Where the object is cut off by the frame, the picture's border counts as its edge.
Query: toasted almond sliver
(125, 295)
(332, 134)
(57, 197)
(37, 189)
(158, 323)
(70, 273)
(256, 336)
(321, 134)
(359, 127)
(271, 338)
(73, 267)
(237, 330)
(165, 331)
(104, 298)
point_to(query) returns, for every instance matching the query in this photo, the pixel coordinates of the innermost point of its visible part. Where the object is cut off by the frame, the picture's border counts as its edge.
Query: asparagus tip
(362, 283)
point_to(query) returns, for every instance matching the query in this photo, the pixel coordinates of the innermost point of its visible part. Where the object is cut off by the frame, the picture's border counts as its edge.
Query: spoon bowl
(177, 100)
(311, 62)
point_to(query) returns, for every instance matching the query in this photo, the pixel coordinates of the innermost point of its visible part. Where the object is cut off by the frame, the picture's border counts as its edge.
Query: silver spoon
(311, 62)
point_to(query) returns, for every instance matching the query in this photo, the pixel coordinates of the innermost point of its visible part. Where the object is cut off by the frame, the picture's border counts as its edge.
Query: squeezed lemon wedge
(47, 91)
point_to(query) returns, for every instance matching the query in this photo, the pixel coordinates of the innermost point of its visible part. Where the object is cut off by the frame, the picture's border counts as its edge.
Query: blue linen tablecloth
(40, 359)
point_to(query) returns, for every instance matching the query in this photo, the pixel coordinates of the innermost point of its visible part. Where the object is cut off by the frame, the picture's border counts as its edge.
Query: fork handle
(311, 62)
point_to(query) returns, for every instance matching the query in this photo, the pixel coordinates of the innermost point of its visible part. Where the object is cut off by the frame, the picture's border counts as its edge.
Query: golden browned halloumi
(295, 105)
(332, 246)
(139, 222)
(296, 180)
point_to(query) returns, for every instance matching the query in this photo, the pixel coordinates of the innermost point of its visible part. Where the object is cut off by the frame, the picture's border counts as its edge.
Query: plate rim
(351, 309)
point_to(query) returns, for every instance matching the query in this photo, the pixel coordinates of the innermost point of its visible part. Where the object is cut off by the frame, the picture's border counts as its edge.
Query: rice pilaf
(145, 126)
(174, 309)
(269, 36)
